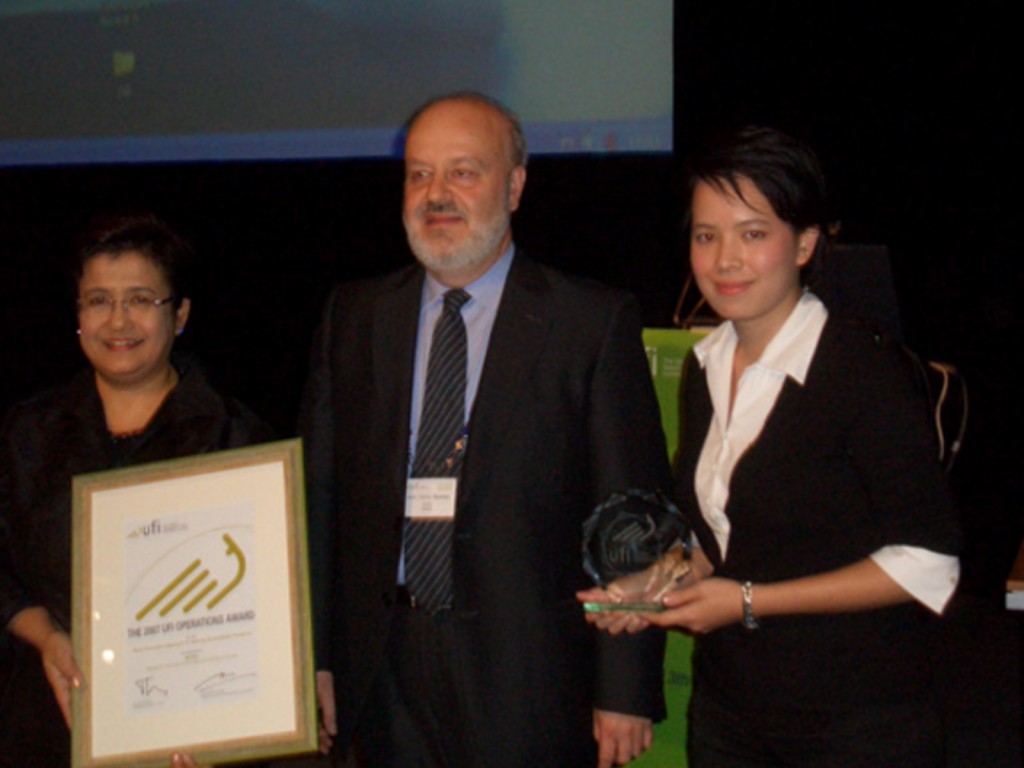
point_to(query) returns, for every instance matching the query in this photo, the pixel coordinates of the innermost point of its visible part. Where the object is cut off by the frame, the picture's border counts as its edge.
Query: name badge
(430, 498)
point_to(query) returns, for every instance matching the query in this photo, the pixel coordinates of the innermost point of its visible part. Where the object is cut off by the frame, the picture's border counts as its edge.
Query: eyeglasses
(103, 306)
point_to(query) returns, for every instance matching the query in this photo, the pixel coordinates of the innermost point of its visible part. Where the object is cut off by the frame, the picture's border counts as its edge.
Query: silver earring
(79, 331)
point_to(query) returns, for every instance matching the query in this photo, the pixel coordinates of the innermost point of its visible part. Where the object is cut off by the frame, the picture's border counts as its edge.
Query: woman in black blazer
(827, 536)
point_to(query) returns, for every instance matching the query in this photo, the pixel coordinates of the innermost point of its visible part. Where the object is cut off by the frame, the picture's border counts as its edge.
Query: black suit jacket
(565, 413)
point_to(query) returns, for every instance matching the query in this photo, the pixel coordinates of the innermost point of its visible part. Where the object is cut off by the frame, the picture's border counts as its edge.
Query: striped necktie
(440, 444)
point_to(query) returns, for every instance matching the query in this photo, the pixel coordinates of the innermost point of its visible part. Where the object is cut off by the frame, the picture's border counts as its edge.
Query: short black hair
(519, 153)
(784, 169)
(146, 234)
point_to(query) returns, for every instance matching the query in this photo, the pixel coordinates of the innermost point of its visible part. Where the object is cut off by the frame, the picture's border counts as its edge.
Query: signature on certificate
(148, 688)
(226, 684)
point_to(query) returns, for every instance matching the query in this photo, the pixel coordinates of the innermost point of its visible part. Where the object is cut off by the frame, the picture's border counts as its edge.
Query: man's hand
(328, 716)
(620, 738)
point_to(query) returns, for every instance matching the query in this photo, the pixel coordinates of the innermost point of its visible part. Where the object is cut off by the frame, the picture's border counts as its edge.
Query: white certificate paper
(191, 606)
(191, 616)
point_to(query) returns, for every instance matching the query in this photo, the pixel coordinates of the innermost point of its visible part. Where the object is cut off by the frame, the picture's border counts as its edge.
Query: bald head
(516, 138)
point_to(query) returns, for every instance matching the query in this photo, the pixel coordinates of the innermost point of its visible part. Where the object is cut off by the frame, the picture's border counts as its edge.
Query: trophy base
(623, 607)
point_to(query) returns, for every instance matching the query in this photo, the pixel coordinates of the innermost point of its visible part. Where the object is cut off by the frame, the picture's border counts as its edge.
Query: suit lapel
(395, 322)
(520, 330)
(698, 414)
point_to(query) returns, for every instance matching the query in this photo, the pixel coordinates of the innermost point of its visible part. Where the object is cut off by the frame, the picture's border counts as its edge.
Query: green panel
(666, 351)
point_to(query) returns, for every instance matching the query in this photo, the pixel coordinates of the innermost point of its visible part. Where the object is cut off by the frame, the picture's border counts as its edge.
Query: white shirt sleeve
(930, 577)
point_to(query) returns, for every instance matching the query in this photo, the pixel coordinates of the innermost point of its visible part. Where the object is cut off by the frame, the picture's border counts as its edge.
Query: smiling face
(130, 347)
(745, 259)
(461, 188)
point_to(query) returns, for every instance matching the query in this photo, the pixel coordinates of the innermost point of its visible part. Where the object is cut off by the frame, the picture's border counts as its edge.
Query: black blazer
(44, 442)
(565, 413)
(844, 465)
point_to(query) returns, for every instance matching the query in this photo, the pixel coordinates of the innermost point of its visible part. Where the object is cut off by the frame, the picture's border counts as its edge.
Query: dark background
(908, 108)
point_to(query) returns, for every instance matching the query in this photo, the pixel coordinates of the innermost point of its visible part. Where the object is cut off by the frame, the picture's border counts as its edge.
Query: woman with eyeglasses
(134, 404)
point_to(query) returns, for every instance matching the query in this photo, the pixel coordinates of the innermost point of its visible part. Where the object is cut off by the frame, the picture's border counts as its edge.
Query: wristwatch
(747, 592)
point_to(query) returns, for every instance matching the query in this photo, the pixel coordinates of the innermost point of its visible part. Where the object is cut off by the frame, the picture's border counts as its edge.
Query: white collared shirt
(930, 577)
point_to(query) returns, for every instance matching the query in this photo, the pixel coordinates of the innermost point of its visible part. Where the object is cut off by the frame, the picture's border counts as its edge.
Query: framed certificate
(190, 610)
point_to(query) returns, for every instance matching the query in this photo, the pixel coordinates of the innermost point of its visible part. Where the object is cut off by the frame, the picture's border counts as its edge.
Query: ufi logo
(156, 527)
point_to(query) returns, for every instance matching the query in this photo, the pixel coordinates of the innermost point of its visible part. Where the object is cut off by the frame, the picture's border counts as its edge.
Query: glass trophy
(636, 547)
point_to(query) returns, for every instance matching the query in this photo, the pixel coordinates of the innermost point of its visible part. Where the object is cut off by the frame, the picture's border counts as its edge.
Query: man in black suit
(501, 670)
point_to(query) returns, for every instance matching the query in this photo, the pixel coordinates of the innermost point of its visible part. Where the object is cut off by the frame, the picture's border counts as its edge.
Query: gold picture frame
(191, 610)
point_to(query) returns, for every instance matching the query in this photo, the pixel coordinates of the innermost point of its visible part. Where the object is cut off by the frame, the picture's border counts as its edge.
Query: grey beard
(440, 257)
